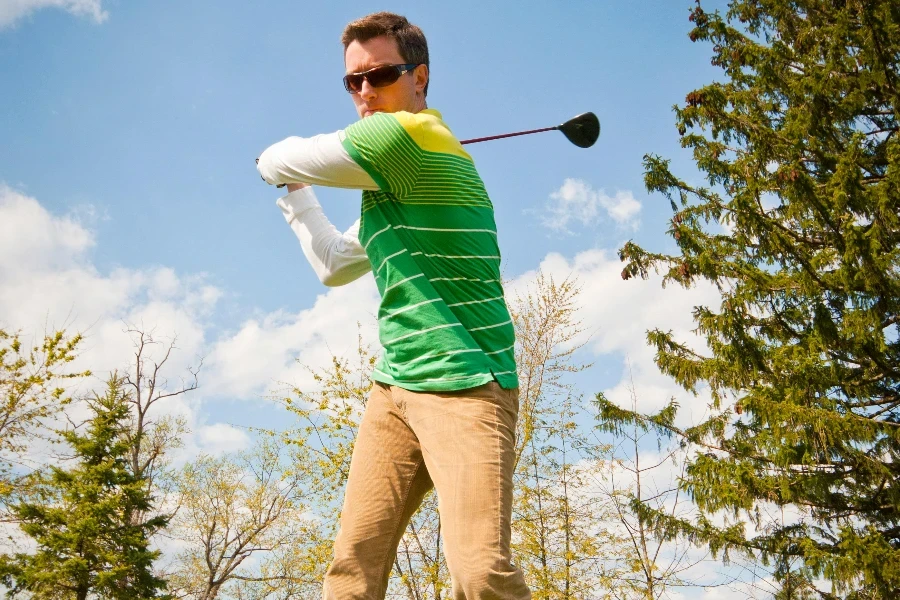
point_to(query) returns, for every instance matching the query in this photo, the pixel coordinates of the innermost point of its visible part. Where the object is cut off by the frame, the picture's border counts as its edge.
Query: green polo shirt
(430, 236)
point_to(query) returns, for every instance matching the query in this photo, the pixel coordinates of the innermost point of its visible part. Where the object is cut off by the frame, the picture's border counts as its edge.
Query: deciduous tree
(32, 380)
(235, 512)
(558, 535)
(636, 475)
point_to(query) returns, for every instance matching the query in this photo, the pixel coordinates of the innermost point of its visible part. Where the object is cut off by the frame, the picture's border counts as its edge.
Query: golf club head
(582, 130)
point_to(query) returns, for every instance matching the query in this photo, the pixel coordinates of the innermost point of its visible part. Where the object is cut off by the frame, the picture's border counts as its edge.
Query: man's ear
(421, 75)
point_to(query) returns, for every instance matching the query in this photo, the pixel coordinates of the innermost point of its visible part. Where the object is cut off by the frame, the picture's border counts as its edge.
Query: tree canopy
(82, 518)
(798, 224)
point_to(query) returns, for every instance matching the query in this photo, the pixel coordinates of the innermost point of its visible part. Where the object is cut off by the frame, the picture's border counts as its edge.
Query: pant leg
(468, 444)
(387, 483)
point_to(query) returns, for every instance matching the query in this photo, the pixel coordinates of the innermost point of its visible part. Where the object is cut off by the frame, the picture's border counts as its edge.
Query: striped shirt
(431, 239)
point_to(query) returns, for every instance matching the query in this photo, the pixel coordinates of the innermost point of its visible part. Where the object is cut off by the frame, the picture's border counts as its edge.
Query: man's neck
(420, 104)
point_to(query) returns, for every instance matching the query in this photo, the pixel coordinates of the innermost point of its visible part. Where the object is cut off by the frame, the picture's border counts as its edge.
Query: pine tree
(81, 518)
(799, 227)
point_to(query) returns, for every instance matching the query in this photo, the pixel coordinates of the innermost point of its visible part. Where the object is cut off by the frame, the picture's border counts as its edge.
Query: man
(442, 411)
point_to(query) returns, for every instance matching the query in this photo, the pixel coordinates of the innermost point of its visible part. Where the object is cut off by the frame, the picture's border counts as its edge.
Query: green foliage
(327, 419)
(559, 537)
(31, 391)
(799, 228)
(560, 526)
(321, 442)
(82, 518)
(548, 334)
(651, 562)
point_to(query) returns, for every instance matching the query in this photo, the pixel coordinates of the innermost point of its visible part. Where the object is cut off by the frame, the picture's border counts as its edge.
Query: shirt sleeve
(318, 160)
(387, 147)
(337, 258)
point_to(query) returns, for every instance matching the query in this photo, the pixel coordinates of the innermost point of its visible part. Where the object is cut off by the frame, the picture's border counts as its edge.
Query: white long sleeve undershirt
(337, 258)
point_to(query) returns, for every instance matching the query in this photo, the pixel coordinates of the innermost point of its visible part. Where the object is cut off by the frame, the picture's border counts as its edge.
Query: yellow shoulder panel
(429, 131)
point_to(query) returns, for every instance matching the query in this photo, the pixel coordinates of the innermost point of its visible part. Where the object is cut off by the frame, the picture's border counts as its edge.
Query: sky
(128, 193)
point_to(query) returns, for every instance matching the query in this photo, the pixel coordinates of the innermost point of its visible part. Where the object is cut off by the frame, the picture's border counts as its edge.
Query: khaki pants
(462, 444)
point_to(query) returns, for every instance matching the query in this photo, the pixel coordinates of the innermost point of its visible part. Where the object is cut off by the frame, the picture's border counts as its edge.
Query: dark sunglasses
(377, 77)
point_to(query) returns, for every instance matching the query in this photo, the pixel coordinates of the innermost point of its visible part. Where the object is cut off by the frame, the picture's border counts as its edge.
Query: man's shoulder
(388, 129)
(425, 128)
(433, 134)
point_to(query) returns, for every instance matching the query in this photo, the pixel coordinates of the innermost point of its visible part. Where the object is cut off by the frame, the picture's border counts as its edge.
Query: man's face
(407, 93)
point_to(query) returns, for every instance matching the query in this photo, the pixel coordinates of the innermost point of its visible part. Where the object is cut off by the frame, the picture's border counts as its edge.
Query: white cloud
(13, 10)
(617, 315)
(49, 278)
(576, 201)
(221, 438)
(52, 242)
(269, 350)
(50, 282)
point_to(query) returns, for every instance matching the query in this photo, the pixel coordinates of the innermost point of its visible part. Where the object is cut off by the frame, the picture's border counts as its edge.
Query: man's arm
(336, 258)
(319, 160)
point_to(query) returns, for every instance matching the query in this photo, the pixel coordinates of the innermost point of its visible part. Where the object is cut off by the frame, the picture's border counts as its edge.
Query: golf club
(582, 131)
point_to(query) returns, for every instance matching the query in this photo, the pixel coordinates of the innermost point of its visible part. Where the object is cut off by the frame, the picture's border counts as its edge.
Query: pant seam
(400, 514)
(498, 417)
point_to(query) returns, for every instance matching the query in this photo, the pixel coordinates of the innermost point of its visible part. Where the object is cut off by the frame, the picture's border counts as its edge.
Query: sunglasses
(377, 77)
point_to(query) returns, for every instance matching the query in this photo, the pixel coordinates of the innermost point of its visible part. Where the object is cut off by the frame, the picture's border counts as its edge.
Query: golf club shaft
(506, 135)
(582, 131)
(490, 137)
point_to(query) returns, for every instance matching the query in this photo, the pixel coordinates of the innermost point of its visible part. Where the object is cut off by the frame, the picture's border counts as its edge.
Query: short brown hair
(410, 39)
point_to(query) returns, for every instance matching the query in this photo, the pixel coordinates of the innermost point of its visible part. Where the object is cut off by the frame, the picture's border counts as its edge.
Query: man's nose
(366, 91)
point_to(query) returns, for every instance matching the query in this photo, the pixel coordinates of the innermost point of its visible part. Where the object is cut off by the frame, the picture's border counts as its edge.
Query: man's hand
(292, 187)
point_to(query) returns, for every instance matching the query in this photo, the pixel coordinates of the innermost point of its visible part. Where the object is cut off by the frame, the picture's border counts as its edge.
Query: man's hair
(410, 39)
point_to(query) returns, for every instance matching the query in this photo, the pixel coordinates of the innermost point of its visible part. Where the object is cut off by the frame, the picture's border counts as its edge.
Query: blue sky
(154, 117)
(137, 124)
(128, 192)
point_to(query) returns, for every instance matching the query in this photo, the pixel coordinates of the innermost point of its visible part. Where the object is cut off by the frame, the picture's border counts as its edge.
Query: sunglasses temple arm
(506, 135)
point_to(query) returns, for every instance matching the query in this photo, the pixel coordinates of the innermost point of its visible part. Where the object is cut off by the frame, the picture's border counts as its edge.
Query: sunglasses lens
(377, 77)
(382, 76)
(353, 82)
